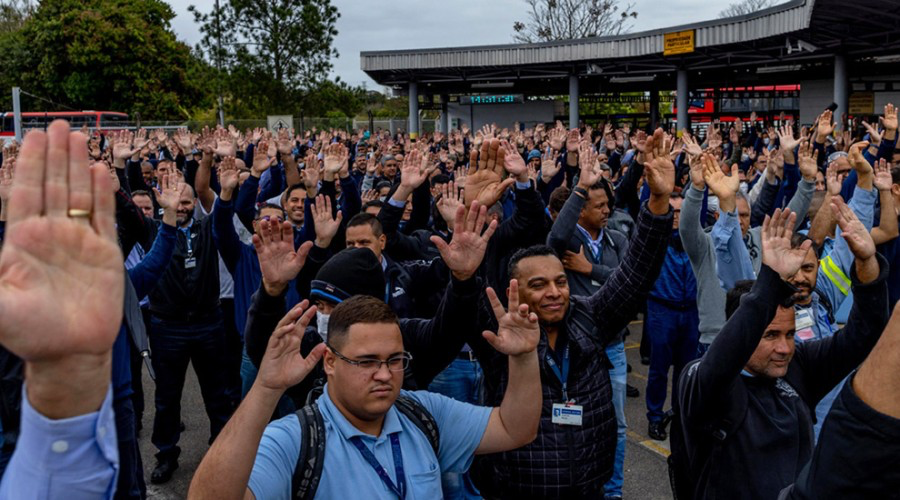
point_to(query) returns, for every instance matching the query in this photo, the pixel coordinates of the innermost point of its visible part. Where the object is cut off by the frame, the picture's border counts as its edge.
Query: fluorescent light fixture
(779, 69)
(632, 79)
(887, 59)
(495, 85)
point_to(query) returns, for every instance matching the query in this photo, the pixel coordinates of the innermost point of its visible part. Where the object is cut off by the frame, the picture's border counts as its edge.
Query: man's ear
(328, 360)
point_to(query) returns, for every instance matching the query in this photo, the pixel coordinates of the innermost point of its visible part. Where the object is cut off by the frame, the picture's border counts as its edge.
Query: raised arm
(616, 303)
(515, 422)
(227, 240)
(887, 227)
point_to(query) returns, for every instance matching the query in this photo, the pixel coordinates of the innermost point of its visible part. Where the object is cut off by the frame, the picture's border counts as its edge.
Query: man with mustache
(746, 408)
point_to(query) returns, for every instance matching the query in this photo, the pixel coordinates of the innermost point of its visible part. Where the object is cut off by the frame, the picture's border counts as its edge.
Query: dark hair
(733, 297)
(524, 253)
(364, 219)
(798, 238)
(287, 194)
(383, 184)
(262, 206)
(440, 179)
(356, 309)
(140, 192)
(373, 203)
(558, 198)
(605, 185)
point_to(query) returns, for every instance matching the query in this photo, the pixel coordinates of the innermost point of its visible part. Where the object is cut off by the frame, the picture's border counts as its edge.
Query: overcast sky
(409, 24)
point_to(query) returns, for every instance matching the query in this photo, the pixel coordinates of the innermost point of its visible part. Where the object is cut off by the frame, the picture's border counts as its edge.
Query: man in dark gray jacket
(590, 252)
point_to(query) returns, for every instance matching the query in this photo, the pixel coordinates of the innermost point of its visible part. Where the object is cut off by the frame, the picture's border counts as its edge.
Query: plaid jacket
(569, 461)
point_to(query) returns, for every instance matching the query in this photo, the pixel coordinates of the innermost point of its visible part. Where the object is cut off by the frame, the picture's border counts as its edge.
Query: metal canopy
(792, 41)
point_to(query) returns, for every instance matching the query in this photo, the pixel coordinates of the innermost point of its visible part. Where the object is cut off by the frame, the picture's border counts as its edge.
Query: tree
(118, 55)
(269, 51)
(746, 7)
(573, 19)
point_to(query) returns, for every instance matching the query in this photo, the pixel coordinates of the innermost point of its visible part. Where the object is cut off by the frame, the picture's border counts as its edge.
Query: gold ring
(79, 213)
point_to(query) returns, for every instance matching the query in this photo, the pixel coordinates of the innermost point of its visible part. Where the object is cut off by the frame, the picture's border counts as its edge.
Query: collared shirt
(73, 458)
(596, 245)
(346, 474)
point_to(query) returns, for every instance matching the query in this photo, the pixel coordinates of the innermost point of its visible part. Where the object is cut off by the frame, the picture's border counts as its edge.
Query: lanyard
(398, 489)
(563, 375)
(187, 235)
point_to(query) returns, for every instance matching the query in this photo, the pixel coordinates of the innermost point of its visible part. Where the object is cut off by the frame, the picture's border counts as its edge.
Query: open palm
(283, 365)
(278, 261)
(776, 244)
(464, 253)
(61, 278)
(518, 331)
(484, 181)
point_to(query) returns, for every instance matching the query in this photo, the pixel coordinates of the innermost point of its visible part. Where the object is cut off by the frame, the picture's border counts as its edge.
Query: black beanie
(353, 271)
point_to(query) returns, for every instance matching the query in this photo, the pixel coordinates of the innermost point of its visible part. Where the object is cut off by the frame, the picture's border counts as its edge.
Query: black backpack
(308, 471)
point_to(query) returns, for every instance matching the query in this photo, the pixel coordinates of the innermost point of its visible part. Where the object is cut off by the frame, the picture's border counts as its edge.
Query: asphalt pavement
(646, 476)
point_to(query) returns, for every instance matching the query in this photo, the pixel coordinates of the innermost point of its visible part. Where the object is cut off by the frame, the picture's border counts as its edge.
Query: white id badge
(595, 282)
(190, 262)
(803, 319)
(565, 414)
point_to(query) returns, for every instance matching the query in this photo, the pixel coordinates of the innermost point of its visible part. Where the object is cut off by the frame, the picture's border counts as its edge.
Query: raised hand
(698, 167)
(518, 331)
(261, 159)
(573, 139)
(451, 199)
(825, 126)
(485, 179)
(283, 366)
(874, 134)
(883, 178)
(776, 244)
(832, 181)
(284, 141)
(889, 121)
(786, 139)
(852, 230)
(659, 169)
(459, 176)
(808, 161)
(413, 172)
(464, 253)
(549, 167)
(858, 161)
(557, 137)
(61, 268)
(590, 168)
(278, 261)
(721, 185)
(184, 141)
(228, 175)
(7, 172)
(327, 225)
(691, 147)
(168, 191)
(513, 162)
(336, 156)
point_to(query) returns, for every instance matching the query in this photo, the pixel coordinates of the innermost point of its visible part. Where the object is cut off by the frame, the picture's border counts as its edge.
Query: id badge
(803, 319)
(567, 414)
(190, 262)
(595, 283)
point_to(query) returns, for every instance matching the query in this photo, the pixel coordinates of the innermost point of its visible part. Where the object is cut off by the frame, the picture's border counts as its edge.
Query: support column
(654, 109)
(682, 99)
(445, 114)
(17, 113)
(413, 110)
(841, 96)
(573, 101)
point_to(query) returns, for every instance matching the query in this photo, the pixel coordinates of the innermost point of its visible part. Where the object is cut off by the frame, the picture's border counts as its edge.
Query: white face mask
(322, 324)
(744, 187)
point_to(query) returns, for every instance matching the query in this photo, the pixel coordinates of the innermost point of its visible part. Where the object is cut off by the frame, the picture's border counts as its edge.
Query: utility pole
(219, 67)
(17, 112)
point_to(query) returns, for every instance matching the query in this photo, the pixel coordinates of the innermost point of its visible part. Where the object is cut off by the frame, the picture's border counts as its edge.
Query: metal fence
(301, 124)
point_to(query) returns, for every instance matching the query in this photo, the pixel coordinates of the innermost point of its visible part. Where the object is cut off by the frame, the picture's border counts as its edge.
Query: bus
(95, 120)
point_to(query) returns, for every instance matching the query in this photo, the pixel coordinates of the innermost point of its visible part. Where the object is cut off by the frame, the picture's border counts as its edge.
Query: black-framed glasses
(396, 363)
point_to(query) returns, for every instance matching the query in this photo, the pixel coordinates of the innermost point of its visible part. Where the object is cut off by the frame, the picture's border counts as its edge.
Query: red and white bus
(95, 120)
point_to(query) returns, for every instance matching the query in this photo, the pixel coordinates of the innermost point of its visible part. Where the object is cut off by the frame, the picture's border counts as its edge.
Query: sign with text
(679, 42)
(862, 103)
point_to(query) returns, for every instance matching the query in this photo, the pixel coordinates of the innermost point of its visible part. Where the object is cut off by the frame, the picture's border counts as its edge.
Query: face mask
(322, 324)
(744, 187)
(766, 141)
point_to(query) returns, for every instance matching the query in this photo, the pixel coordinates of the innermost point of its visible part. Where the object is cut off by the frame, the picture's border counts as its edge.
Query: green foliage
(273, 56)
(116, 55)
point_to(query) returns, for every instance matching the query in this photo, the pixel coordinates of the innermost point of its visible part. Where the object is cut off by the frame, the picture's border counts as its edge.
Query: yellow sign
(680, 42)
(862, 103)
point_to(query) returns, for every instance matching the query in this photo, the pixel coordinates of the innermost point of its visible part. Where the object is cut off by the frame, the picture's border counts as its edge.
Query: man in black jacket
(747, 406)
(574, 452)
(433, 342)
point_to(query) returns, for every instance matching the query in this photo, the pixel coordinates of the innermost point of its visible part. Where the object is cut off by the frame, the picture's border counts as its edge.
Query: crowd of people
(379, 315)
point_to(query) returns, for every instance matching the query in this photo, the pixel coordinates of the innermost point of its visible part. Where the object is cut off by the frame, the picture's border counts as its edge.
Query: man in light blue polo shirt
(371, 448)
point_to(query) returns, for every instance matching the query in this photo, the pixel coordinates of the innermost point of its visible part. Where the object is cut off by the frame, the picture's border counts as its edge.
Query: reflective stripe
(834, 273)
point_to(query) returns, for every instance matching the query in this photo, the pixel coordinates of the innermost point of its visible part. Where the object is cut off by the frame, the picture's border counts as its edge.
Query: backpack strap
(417, 414)
(308, 470)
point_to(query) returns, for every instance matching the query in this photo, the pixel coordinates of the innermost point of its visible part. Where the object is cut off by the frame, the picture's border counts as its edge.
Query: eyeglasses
(271, 217)
(395, 364)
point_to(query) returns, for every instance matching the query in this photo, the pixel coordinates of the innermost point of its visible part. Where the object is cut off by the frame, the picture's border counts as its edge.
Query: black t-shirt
(189, 287)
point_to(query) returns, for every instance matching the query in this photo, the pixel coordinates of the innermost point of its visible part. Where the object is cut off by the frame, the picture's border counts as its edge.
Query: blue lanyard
(187, 235)
(398, 489)
(563, 375)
